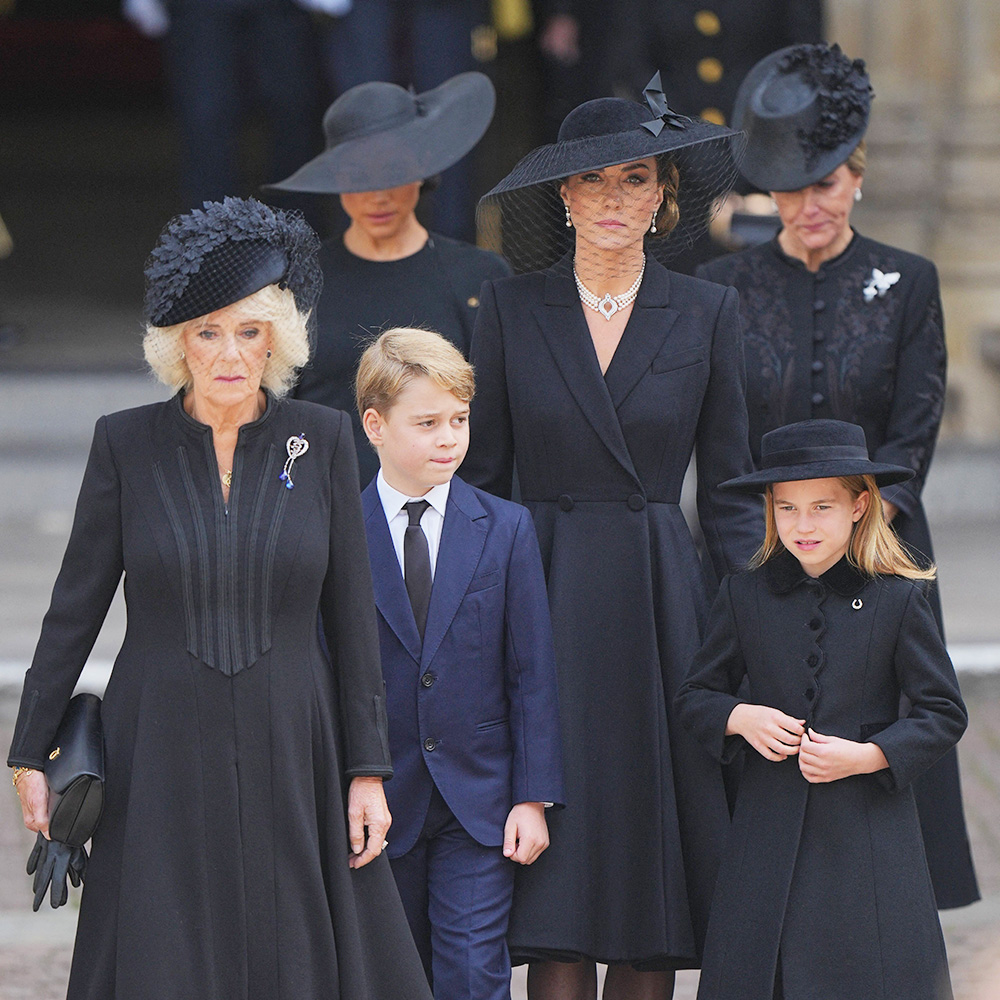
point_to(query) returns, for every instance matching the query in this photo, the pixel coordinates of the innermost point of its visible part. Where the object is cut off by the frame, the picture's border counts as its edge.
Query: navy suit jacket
(473, 709)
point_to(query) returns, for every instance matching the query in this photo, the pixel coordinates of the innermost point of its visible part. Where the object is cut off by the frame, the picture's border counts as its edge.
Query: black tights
(578, 981)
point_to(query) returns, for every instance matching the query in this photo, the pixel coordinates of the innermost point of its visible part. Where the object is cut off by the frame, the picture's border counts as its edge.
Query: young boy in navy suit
(467, 659)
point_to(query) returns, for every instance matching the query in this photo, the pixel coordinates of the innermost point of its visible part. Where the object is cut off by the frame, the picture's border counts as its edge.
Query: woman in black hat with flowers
(384, 146)
(824, 891)
(598, 377)
(225, 863)
(837, 325)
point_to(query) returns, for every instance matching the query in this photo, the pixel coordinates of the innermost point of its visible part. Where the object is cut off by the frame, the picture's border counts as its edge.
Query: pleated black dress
(600, 460)
(219, 870)
(817, 346)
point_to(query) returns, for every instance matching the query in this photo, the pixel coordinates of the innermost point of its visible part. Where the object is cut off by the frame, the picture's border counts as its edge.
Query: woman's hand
(366, 807)
(525, 834)
(33, 791)
(830, 758)
(771, 733)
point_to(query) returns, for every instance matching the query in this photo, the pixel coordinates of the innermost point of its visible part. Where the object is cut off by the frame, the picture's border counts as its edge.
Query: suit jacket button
(810, 693)
(636, 501)
(429, 745)
(428, 680)
(565, 502)
(815, 624)
(819, 305)
(818, 399)
(812, 659)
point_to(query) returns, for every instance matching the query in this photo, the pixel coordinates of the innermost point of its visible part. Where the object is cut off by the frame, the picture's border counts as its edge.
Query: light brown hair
(396, 357)
(858, 160)
(874, 547)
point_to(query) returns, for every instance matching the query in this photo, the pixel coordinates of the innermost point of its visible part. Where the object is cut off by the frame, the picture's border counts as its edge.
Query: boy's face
(422, 438)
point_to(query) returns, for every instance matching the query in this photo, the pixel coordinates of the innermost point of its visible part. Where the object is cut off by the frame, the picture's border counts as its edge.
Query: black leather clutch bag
(75, 772)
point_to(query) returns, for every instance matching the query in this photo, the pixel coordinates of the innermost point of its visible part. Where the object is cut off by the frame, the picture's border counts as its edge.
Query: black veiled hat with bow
(216, 255)
(804, 109)
(523, 216)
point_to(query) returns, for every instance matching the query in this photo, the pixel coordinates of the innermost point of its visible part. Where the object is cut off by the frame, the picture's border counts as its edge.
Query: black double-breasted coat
(219, 868)
(600, 461)
(817, 347)
(832, 875)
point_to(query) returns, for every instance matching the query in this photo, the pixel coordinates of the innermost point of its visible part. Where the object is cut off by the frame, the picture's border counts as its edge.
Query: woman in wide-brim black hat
(235, 749)
(597, 377)
(838, 325)
(385, 146)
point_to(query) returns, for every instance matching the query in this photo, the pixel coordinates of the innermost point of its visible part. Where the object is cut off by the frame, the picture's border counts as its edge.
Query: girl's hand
(525, 834)
(366, 807)
(830, 758)
(33, 791)
(771, 733)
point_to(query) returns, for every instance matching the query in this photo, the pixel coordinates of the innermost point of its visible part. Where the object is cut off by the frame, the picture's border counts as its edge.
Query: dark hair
(429, 184)
(669, 213)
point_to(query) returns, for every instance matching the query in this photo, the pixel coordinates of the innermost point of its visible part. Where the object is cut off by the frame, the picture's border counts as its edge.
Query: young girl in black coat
(824, 891)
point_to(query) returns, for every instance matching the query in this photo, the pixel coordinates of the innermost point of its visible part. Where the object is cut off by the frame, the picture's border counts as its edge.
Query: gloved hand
(50, 862)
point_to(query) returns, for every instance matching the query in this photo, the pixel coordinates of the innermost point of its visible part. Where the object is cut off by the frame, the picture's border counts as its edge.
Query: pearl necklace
(610, 304)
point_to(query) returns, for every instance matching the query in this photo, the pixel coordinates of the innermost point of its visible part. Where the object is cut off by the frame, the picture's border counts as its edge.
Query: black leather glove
(50, 862)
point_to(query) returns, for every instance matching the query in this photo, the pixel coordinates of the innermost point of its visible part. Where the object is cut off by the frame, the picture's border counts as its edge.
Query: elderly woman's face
(226, 352)
(382, 214)
(613, 208)
(816, 216)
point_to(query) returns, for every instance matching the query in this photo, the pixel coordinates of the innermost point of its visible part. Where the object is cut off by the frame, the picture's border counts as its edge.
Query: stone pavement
(45, 427)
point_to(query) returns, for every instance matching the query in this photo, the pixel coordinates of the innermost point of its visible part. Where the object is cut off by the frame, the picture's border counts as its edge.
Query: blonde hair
(398, 356)
(858, 160)
(164, 350)
(874, 547)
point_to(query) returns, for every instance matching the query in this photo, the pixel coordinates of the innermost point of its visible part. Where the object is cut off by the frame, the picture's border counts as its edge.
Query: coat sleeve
(918, 394)
(926, 676)
(529, 660)
(349, 624)
(707, 698)
(731, 522)
(489, 463)
(87, 581)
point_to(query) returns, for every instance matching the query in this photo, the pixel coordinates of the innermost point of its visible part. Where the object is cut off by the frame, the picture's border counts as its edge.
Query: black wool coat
(600, 462)
(816, 348)
(219, 868)
(832, 876)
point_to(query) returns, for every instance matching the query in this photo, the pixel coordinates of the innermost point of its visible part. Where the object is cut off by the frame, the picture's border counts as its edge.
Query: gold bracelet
(19, 773)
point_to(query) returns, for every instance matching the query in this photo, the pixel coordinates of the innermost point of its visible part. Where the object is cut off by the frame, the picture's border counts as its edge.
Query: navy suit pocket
(484, 582)
(485, 727)
(666, 363)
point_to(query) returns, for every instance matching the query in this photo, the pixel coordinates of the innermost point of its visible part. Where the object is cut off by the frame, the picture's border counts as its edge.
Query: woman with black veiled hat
(599, 373)
(838, 325)
(384, 147)
(239, 853)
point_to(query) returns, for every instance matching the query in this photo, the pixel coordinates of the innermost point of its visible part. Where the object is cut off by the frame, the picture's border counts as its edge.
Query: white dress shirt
(432, 522)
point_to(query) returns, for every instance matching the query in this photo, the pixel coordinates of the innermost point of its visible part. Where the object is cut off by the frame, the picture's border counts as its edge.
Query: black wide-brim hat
(216, 255)
(804, 109)
(815, 449)
(380, 136)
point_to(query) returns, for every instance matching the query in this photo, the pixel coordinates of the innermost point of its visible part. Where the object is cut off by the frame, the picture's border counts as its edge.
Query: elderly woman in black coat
(838, 325)
(385, 146)
(239, 851)
(598, 377)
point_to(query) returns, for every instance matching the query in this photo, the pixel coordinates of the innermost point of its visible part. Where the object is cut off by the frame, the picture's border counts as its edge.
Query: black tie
(417, 563)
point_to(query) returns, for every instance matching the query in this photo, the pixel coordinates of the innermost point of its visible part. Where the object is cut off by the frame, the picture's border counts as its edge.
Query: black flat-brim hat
(815, 449)
(804, 109)
(380, 136)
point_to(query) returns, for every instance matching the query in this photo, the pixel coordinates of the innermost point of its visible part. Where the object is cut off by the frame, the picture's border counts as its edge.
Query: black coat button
(818, 399)
(429, 745)
(810, 693)
(428, 680)
(819, 305)
(821, 275)
(636, 501)
(815, 624)
(817, 366)
(812, 659)
(565, 502)
(818, 336)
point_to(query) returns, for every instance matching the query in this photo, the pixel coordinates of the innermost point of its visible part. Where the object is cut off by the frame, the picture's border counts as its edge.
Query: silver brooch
(857, 604)
(296, 448)
(879, 283)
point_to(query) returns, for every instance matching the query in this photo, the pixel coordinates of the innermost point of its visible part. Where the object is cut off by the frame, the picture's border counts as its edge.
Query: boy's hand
(830, 758)
(771, 733)
(525, 834)
(366, 807)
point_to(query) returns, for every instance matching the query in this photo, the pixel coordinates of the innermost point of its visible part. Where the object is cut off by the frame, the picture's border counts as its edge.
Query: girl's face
(815, 519)
(815, 217)
(613, 208)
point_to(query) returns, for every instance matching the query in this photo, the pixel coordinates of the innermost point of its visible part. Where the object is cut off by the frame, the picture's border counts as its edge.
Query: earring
(183, 355)
(652, 225)
(857, 194)
(268, 354)
(569, 218)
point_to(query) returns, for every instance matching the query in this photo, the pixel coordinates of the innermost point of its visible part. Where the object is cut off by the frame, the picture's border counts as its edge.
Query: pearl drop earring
(569, 218)
(857, 194)
(652, 225)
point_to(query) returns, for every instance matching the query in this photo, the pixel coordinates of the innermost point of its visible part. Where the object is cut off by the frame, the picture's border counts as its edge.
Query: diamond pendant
(607, 307)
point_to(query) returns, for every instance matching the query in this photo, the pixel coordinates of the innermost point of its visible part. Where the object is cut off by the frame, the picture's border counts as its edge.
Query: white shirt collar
(393, 501)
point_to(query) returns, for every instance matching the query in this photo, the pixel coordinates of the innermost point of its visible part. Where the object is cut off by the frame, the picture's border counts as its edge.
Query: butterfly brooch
(879, 283)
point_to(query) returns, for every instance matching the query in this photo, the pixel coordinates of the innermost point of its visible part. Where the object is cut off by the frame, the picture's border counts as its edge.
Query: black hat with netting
(524, 216)
(219, 254)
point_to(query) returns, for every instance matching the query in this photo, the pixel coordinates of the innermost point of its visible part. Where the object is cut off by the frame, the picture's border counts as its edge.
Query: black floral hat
(804, 109)
(218, 254)
(815, 449)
